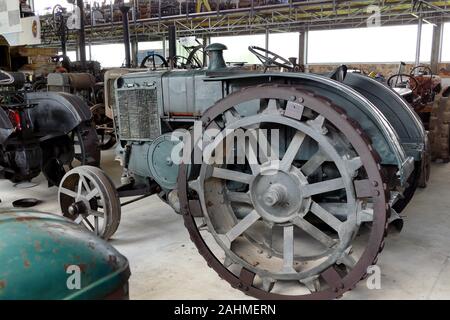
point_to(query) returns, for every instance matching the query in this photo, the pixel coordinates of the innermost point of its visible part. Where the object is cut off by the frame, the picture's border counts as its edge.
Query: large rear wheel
(302, 223)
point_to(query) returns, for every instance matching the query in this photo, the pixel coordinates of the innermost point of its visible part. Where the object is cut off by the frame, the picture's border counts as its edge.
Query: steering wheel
(181, 62)
(6, 78)
(423, 70)
(272, 59)
(152, 56)
(412, 82)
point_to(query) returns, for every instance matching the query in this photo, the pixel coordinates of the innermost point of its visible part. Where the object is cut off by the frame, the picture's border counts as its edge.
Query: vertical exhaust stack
(81, 35)
(215, 54)
(172, 46)
(124, 9)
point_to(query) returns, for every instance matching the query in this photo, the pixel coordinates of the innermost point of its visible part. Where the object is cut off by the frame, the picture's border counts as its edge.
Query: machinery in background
(85, 86)
(47, 257)
(419, 87)
(42, 132)
(422, 89)
(302, 216)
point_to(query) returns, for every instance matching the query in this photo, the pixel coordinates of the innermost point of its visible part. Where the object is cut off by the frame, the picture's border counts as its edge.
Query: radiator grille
(138, 114)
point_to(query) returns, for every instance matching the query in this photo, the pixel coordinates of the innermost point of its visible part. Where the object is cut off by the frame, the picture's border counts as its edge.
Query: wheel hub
(77, 208)
(278, 196)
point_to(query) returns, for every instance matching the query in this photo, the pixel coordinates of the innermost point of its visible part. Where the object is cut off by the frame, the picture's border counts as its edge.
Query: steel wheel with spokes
(87, 196)
(288, 225)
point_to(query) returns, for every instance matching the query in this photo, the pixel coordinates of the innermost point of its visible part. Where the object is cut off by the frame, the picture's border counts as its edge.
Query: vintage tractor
(287, 182)
(42, 132)
(420, 88)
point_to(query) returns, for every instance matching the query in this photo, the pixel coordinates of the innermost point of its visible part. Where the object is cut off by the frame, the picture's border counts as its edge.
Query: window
(285, 44)
(109, 55)
(42, 7)
(237, 47)
(71, 54)
(446, 43)
(150, 45)
(381, 44)
(145, 48)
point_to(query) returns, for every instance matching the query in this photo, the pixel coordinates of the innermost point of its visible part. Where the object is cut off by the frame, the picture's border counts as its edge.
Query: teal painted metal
(36, 250)
(154, 159)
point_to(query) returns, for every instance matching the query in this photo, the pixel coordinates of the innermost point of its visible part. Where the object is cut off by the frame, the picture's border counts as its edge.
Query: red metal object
(15, 118)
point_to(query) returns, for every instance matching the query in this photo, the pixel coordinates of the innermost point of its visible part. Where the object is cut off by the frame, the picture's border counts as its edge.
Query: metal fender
(397, 111)
(57, 111)
(6, 128)
(384, 137)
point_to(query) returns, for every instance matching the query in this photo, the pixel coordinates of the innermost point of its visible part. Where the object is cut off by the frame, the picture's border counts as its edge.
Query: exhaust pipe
(124, 9)
(81, 35)
(172, 46)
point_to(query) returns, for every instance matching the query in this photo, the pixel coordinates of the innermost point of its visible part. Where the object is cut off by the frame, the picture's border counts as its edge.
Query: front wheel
(87, 196)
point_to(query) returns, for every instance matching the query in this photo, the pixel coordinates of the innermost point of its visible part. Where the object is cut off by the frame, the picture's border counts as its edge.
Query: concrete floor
(165, 265)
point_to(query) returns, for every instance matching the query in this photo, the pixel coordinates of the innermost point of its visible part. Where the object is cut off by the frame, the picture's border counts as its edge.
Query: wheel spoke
(313, 163)
(326, 216)
(68, 192)
(242, 226)
(293, 149)
(78, 219)
(96, 213)
(323, 187)
(272, 107)
(85, 184)
(231, 116)
(96, 225)
(267, 150)
(88, 223)
(92, 194)
(315, 232)
(232, 175)
(251, 153)
(348, 261)
(288, 249)
(239, 197)
(80, 187)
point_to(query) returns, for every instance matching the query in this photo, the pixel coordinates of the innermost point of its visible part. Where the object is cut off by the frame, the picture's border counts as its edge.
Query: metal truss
(290, 17)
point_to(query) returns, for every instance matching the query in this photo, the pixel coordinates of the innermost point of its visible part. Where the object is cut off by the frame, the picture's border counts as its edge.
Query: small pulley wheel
(87, 196)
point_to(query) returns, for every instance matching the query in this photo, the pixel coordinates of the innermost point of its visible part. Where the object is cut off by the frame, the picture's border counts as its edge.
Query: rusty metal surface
(81, 81)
